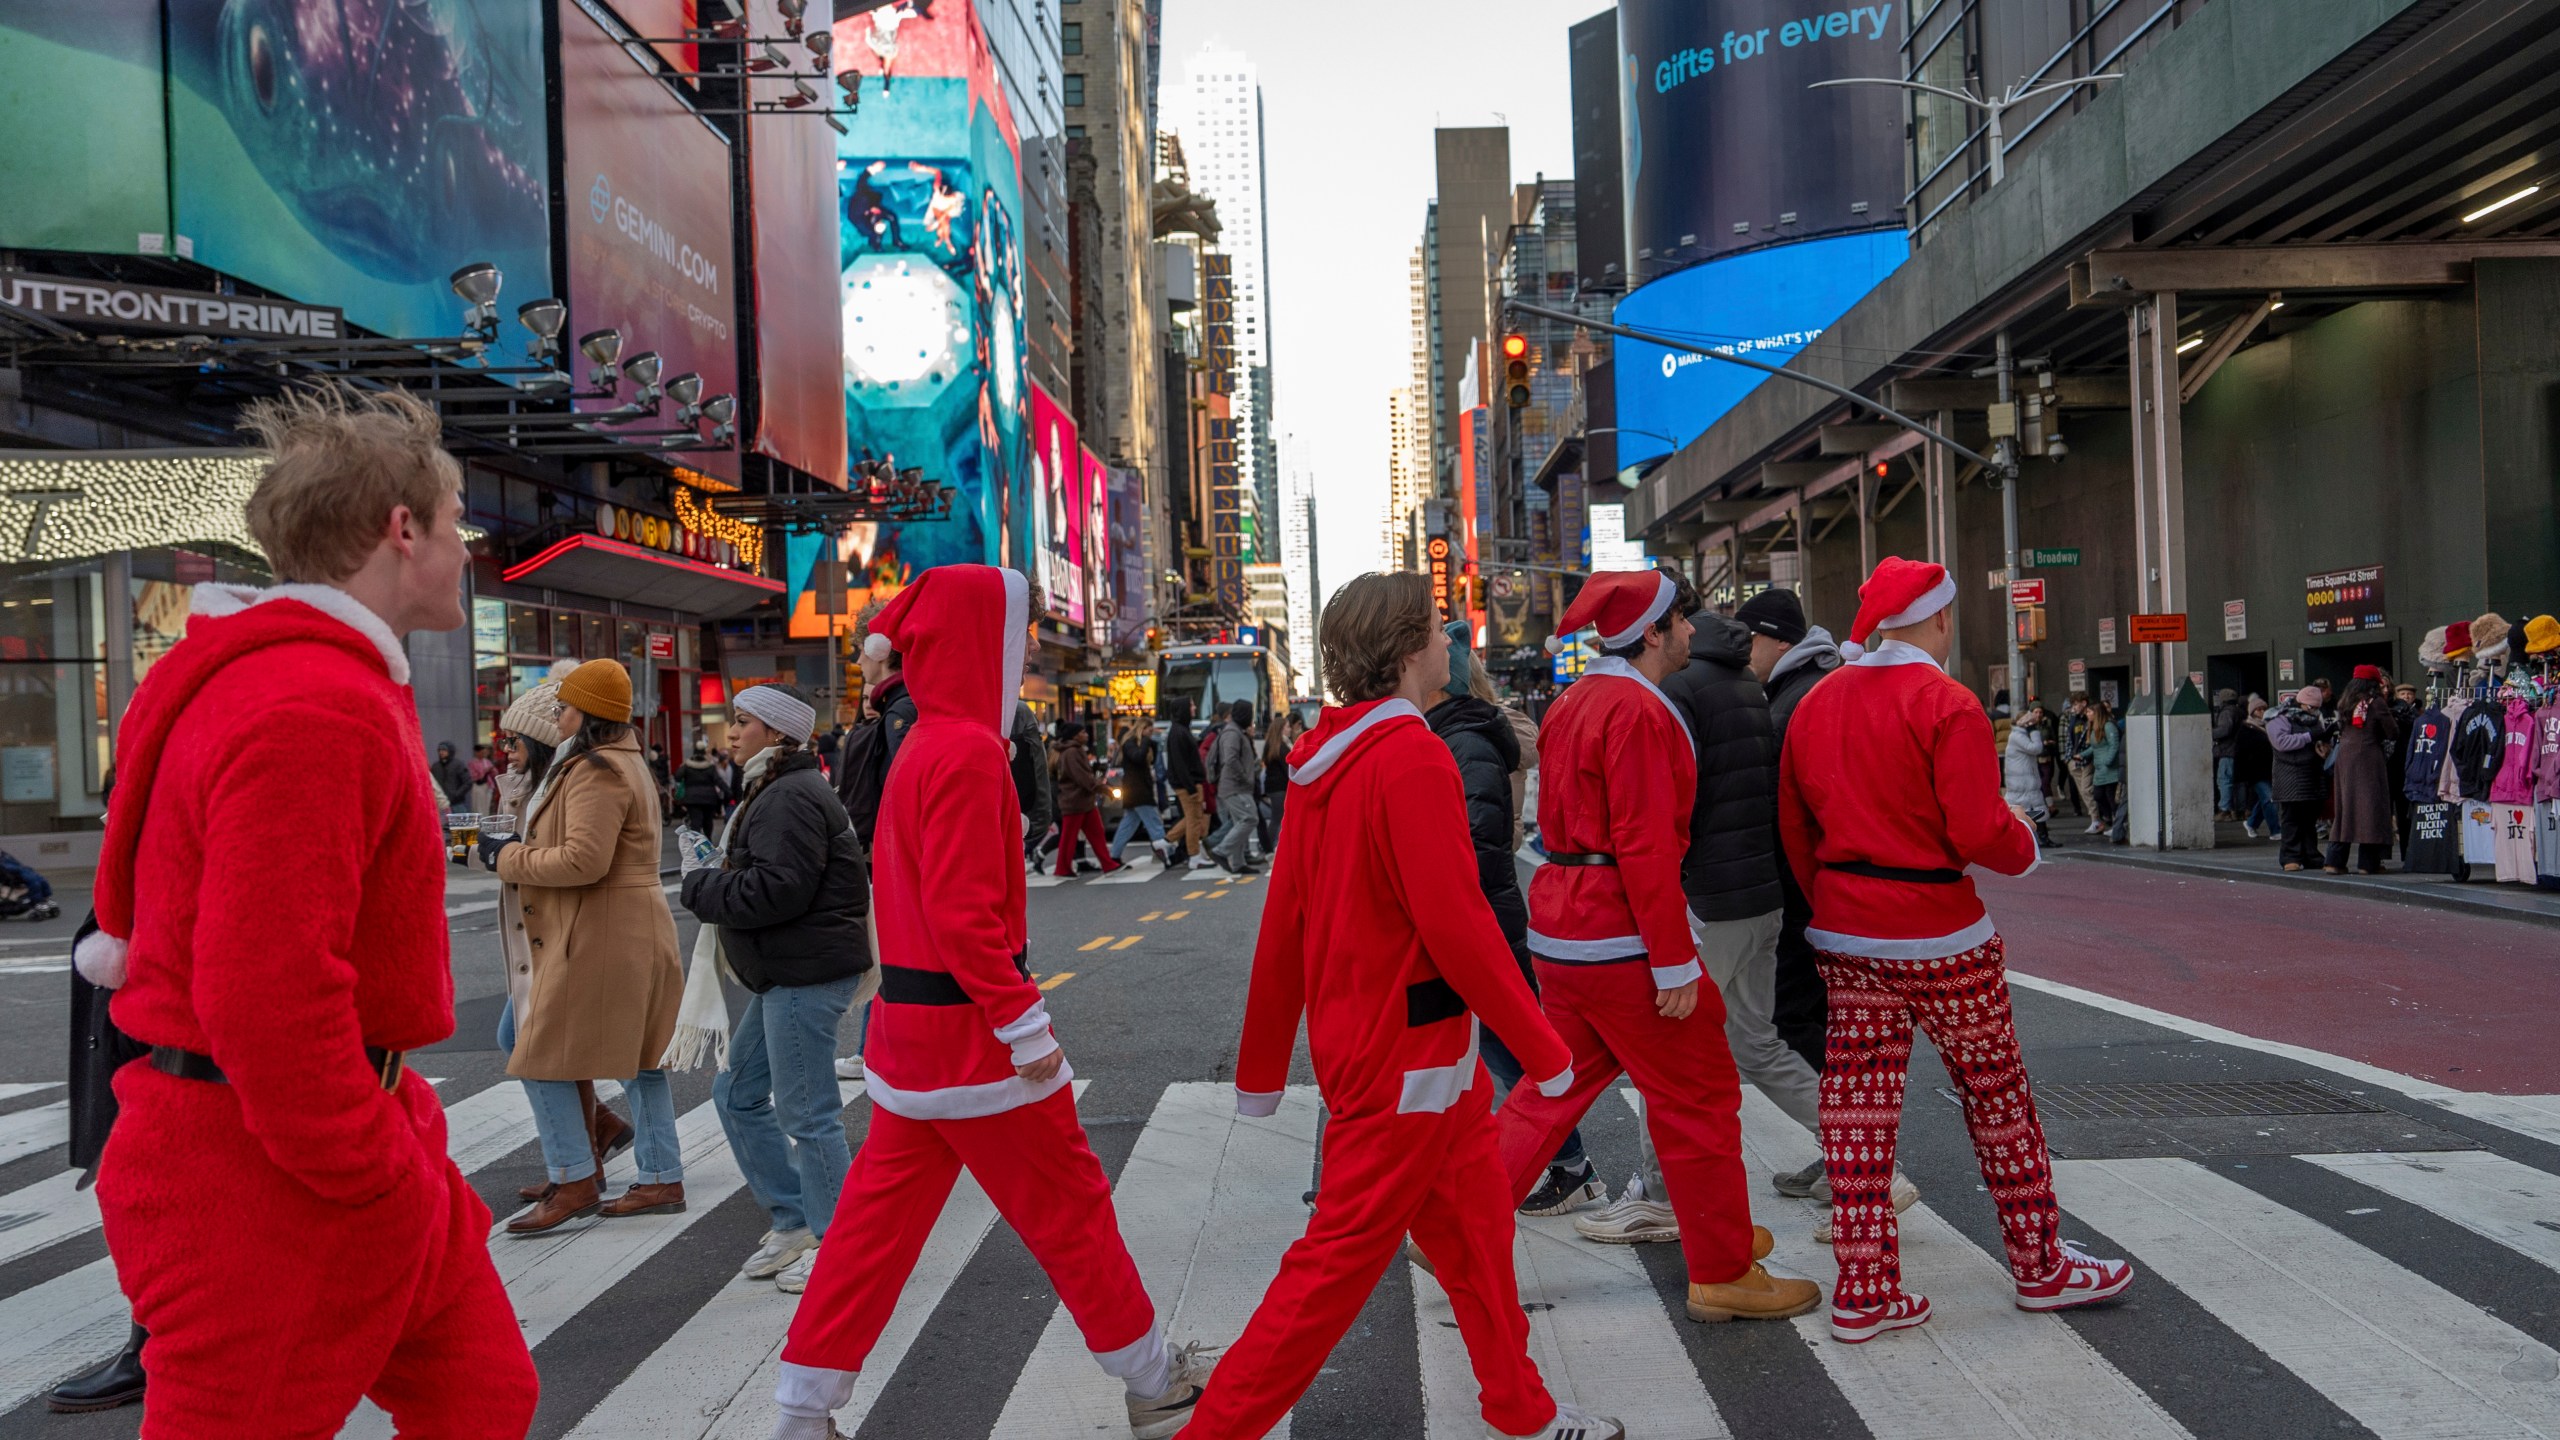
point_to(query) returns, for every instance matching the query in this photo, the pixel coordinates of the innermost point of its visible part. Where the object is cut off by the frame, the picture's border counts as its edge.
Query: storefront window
(599, 637)
(528, 630)
(53, 703)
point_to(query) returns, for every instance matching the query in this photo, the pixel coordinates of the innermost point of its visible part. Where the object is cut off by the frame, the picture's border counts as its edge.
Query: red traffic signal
(1514, 346)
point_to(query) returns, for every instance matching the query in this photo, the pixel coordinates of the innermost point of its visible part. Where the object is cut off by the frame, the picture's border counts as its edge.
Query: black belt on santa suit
(188, 1065)
(1896, 872)
(907, 985)
(1559, 857)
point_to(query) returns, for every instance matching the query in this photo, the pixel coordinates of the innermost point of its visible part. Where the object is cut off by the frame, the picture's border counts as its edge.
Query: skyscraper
(1298, 558)
(1221, 125)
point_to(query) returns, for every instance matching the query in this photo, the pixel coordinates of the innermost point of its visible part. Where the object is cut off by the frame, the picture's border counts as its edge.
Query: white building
(1220, 118)
(1298, 557)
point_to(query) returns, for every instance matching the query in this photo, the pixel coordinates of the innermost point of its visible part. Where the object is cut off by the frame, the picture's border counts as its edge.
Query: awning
(614, 570)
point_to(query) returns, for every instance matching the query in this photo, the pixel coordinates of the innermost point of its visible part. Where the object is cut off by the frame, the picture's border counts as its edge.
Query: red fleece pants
(272, 1311)
(1962, 1003)
(1692, 1102)
(1435, 1177)
(1040, 1174)
(1085, 825)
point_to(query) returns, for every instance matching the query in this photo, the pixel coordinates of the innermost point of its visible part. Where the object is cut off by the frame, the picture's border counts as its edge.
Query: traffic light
(1515, 370)
(2030, 622)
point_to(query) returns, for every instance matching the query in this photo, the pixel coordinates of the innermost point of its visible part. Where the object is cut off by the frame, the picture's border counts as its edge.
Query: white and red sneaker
(1856, 1327)
(2081, 1279)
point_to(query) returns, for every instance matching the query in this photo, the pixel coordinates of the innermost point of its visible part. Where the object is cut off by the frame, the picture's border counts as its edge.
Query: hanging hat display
(1900, 592)
(2431, 650)
(2489, 638)
(2457, 640)
(2541, 635)
(1619, 603)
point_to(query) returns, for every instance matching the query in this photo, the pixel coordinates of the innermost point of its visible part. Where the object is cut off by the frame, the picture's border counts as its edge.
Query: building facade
(1221, 129)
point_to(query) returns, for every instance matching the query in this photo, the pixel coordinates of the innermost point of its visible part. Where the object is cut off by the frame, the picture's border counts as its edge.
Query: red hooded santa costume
(1376, 931)
(1889, 788)
(276, 1193)
(1609, 928)
(956, 1014)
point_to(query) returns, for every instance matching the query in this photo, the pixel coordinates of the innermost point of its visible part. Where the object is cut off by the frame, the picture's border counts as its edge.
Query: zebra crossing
(1209, 1201)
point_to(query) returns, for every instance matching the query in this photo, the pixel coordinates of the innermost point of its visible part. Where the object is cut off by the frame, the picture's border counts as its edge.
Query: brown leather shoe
(612, 1134)
(1758, 1295)
(1762, 1242)
(646, 1200)
(531, 1193)
(565, 1203)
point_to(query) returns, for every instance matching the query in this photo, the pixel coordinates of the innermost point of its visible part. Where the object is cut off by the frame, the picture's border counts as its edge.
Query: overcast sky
(1350, 95)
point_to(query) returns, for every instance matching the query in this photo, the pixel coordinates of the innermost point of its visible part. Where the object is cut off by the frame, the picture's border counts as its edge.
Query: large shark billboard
(362, 152)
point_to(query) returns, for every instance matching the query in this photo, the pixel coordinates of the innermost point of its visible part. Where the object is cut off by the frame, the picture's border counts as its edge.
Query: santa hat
(1621, 603)
(1900, 592)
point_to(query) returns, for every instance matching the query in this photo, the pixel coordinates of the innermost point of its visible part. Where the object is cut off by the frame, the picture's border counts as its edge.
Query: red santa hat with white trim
(1619, 603)
(1900, 592)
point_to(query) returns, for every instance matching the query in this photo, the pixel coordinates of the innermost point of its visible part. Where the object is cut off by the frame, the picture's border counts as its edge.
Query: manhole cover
(2197, 1100)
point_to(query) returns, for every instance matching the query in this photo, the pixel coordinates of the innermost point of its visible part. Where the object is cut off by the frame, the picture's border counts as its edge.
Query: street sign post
(2158, 631)
(2051, 559)
(2023, 593)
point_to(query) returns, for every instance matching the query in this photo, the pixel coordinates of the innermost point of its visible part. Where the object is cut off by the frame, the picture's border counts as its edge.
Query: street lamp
(1993, 105)
(1627, 477)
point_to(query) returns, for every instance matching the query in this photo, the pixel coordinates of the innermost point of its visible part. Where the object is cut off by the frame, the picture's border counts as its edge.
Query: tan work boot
(1758, 1295)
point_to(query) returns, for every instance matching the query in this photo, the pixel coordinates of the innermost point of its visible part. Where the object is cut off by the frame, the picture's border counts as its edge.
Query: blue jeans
(2222, 788)
(2262, 805)
(567, 1152)
(1506, 1073)
(779, 1104)
(1130, 820)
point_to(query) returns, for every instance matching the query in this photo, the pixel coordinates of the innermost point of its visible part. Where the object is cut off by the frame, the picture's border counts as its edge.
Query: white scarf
(702, 1016)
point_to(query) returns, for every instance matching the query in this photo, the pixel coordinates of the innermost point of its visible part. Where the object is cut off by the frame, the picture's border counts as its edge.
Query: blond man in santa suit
(1618, 972)
(1888, 790)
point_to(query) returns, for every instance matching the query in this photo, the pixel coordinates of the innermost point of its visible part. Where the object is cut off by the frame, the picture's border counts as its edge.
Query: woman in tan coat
(601, 999)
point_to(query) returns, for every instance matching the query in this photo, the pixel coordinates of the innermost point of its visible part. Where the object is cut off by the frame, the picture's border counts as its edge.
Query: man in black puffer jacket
(1731, 872)
(1478, 733)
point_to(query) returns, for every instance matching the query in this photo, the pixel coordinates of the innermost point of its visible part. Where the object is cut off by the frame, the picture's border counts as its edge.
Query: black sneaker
(1564, 1191)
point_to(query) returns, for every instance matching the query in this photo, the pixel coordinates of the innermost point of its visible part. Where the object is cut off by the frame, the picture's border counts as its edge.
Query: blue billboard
(1765, 305)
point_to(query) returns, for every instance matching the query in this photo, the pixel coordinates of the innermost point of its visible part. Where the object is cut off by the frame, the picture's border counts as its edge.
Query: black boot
(117, 1382)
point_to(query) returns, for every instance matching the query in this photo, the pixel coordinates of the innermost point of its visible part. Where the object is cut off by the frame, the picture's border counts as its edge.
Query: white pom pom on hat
(1555, 644)
(876, 647)
(1850, 650)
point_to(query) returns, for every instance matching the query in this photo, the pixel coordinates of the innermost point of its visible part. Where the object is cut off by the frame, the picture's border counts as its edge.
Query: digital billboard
(649, 232)
(1093, 542)
(1599, 199)
(82, 125)
(1725, 145)
(798, 410)
(1128, 560)
(929, 195)
(1057, 511)
(362, 153)
(1765, 305)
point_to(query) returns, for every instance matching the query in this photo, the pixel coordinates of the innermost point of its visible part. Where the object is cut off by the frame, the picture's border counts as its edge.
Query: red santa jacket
(274, 866)
(1889, 763)
(1616, 776)
(957, 1010)
(1376, 929)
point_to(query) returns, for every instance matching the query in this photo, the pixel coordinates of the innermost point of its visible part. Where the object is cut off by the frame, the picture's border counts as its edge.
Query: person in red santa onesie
(1609, 933)
(276, 1193)
(961, 1064)
(1377, 932)
(1888, 789)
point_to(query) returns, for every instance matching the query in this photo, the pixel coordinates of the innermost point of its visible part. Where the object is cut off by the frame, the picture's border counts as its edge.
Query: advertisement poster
(648, 223)
(2343, 601)
(798, 415)
(930, 267)
(1093, 541)
(82, 124)
(1128, 561)
(1057, 484)
(361, 159)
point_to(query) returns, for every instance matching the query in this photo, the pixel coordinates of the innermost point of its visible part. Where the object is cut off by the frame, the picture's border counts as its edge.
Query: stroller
(24, 894)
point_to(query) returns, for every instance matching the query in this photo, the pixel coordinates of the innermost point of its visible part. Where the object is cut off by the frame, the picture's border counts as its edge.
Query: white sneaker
(1631, 1219)
(781, 1247)
(1202, 862)
(1167, 1413)
(848, 1067)
(2094, 828)
(1572, 1422)
(794, 1277)
(1905, 1195)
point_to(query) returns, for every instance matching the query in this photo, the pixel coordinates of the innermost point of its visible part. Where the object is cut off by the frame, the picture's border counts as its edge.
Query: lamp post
(1993, 106)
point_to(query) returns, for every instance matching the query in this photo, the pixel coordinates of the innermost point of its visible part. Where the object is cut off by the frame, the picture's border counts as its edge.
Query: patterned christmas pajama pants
(1962, 1004)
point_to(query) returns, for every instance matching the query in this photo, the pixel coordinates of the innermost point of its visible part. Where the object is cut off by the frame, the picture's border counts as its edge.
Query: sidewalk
(2237, 857)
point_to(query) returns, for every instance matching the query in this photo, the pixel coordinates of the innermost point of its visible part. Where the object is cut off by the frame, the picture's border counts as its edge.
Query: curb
(2362, 888)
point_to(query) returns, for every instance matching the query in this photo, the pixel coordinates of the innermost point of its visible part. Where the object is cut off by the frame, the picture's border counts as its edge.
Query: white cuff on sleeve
(1557, 1086)
(1672, 977)
(1025, 1025)
(1258, 1103)
(1034, 1047)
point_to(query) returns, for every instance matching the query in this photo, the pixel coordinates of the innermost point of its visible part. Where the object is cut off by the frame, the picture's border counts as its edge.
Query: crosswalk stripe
(2489, 1195)
(1603, 1341)
(1208, 1202)
(1981, 1366)
(1131, 872)
(24, 1132)
(1044, 881)
(50, 1210)
(14, 1089)
(2391, 1348)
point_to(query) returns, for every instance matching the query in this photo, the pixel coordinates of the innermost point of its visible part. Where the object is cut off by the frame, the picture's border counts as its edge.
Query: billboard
(1127, 557)
(1766, 305)
(82, 125)
(929, 196)
(1057, 512)
(650, 243)
(1093, 543)
(1724, 146)
(798, 410)
(1599, 197)
(365, 155)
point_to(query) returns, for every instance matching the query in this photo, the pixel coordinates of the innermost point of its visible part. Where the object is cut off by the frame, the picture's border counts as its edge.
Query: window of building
(1075, 132)
(1075, 89)
(1071, 38)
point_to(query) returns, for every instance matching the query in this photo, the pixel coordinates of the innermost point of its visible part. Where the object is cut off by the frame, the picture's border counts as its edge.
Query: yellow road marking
(1150, 915)
(1132, 940)
(1242, 880)
(1096, 943)
(1214, 894)
(1061, 978)
(1178, 914)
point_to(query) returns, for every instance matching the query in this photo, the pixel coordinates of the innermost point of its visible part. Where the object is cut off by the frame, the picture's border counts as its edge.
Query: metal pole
(2007, 447)
(2160, 748)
